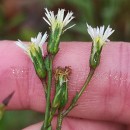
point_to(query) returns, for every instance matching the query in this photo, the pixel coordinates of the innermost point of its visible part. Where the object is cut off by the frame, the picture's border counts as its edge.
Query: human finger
(107, 96)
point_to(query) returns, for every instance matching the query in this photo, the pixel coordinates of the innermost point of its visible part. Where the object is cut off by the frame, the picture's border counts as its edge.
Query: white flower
(59, 20)
(35, 44)
(100, 34)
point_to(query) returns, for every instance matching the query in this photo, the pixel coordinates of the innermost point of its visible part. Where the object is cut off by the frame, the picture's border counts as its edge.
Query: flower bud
(61, 94)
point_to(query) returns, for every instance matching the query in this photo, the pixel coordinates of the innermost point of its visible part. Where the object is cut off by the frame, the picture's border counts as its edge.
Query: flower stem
(47, 124)
(45, 88)
(59, 120)
(77, 96)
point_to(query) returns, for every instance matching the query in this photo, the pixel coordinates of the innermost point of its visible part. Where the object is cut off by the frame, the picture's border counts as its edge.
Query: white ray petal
(22, 45)
(33, 40)
(90, 31)
(69, 27)
(39, 36)
(101, 30)
(44, 37)
(47, 21)
(68, 18)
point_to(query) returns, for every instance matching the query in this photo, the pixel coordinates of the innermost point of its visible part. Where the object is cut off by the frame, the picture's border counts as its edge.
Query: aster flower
(35, 51)
(57, 25)
(36, 44)
(58, 21)
(99, 37)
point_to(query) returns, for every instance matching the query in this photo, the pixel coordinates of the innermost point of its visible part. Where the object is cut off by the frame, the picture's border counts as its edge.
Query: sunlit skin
(105, 105)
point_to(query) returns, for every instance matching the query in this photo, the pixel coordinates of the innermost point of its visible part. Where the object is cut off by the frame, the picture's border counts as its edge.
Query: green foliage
(95, 12)
(98, 12)
(110, 10)
(17, 120)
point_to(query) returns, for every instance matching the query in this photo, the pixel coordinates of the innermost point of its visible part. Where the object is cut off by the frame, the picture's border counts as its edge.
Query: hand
(105, 105)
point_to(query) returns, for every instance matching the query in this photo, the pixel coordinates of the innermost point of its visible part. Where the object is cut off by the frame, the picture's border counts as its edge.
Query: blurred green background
(21, 19)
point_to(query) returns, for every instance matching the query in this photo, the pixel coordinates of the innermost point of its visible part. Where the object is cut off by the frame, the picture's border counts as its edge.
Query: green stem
(52, 113)
(45, 88)
(47, 124)
(74, 101)
(59, 120)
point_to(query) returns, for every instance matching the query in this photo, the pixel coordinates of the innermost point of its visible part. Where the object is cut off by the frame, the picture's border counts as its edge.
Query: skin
(105, 105)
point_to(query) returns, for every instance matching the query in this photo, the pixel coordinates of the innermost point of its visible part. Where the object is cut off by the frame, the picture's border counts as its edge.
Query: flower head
(35, 44)
(58, 21)
(35, 52)
(99, 34)
(57, 25)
